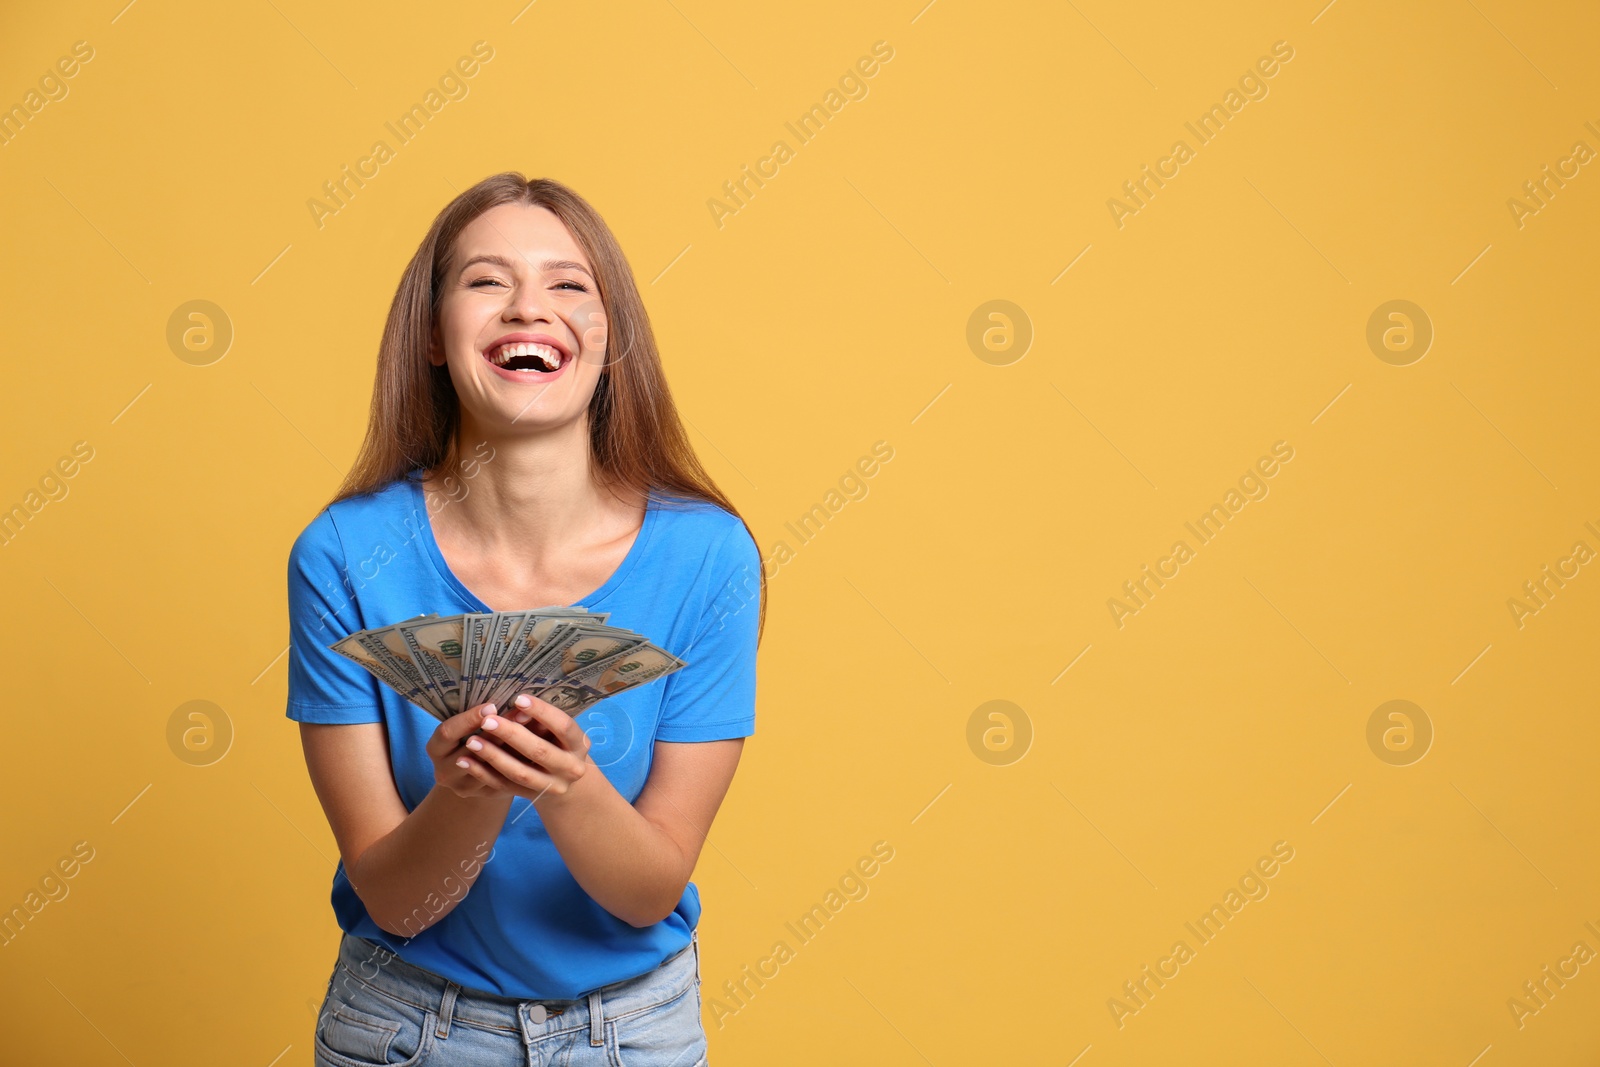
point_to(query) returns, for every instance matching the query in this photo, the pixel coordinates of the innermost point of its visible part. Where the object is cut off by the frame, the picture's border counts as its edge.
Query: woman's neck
(533, 499)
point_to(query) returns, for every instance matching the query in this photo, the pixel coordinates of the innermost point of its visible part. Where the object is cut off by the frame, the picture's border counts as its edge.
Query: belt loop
(596, 1019)
(447, 1008)
(694, 940)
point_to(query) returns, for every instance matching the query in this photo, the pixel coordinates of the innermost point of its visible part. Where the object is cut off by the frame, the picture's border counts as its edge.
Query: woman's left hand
(543, 758)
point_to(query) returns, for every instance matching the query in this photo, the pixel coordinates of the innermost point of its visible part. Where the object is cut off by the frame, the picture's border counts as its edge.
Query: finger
(463, 785)
(521, 712)
(546, 754)
(515, 770)
(564, 729)
(452, 730)
(457, 775)
(488, 781)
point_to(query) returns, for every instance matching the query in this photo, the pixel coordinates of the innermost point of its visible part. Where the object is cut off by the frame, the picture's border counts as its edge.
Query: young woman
(514, 883)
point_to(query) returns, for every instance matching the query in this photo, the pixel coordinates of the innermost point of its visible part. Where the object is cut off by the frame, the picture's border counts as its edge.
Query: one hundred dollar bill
(447, 664)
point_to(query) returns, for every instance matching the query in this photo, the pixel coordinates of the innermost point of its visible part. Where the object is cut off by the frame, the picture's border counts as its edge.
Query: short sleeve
(324, 687)
(714, 697)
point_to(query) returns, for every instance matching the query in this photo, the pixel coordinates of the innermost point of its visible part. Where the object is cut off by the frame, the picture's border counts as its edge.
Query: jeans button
(537, 1014)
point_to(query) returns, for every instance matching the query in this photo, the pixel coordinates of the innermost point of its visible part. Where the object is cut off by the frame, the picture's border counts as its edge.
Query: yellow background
(825, 315)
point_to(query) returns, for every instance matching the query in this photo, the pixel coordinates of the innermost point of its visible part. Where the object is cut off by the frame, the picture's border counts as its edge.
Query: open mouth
(527, 357)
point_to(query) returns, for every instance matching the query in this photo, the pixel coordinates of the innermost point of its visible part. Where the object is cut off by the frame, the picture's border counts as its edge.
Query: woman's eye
(580, 287)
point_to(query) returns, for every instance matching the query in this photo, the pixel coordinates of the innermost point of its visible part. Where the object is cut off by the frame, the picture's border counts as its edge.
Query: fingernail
(524, 700)
(474, 744)
(463, 764)
(488, 709)
(490, 724)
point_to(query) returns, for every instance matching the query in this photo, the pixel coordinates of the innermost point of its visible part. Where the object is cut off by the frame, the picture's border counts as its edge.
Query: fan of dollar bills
(566, 656)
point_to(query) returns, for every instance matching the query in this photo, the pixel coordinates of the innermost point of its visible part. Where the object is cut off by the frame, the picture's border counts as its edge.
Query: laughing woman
(514, 883)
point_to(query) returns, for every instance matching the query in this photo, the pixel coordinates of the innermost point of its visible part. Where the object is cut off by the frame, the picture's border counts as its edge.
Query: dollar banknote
(566, 655)
(588, 685)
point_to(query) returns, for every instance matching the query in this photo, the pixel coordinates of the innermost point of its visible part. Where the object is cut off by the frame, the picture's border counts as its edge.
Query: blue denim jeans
(380, 1009)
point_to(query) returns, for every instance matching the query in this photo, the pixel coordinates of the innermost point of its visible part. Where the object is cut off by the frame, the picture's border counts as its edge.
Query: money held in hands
(566, 656)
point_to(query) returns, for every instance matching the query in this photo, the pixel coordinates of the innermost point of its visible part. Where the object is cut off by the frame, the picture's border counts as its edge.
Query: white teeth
(547, 355)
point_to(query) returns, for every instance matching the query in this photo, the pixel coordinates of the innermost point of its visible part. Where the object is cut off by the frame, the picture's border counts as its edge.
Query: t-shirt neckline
(425, 528)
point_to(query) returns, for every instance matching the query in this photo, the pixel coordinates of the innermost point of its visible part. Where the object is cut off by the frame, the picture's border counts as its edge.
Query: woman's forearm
(418, 872)
(620, 858)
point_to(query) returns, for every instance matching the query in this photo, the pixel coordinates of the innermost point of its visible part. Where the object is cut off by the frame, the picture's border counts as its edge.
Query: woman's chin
(510, 416)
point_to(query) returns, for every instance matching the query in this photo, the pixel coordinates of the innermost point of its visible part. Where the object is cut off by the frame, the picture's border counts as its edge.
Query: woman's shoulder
(354, 517)
(704, 526)
(695, 515)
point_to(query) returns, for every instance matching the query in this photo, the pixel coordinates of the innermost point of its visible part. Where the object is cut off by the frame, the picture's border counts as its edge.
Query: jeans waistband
(379, 968)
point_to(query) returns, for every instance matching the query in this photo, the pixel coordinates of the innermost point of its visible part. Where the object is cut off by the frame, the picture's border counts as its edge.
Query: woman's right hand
(452, 760)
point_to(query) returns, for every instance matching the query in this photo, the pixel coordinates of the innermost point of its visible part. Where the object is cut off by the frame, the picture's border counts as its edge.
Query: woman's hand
(452, 763)
(536, 750)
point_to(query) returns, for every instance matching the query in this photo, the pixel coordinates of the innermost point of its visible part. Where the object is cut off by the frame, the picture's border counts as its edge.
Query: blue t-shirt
(526, 928)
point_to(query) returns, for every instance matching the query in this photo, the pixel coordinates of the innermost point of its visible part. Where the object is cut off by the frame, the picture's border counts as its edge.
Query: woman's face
(520, 299)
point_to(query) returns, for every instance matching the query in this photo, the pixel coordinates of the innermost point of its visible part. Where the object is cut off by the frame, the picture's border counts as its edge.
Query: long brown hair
(637, 439)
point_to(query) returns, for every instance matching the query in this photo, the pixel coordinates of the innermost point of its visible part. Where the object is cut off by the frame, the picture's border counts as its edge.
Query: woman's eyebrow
(547, 265)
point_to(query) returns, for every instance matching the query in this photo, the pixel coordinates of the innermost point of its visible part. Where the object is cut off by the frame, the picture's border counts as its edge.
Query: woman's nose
(528, 303)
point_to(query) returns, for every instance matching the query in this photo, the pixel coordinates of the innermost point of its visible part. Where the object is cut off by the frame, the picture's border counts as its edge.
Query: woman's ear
(435, 347)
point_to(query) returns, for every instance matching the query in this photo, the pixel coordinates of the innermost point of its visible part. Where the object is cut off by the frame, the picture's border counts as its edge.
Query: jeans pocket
(359, 1027)
(667, 1035)
(355, 1036)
